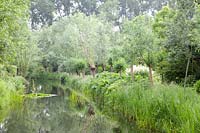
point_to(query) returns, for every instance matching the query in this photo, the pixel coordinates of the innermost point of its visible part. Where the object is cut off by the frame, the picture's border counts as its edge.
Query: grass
(161, 108)
(10, 90)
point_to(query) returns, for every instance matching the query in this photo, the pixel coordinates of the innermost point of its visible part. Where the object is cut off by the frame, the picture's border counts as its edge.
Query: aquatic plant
(165, 108)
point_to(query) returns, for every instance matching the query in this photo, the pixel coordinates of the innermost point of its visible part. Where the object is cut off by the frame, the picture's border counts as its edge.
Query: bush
(48, 76)
(120, 65)
(8, 70)
(73, 65)
(140, 75)
(10, 90)
(197, 86)
(99, 69)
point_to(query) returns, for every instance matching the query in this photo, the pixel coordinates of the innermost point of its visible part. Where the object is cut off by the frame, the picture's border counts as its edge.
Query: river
(56, 115)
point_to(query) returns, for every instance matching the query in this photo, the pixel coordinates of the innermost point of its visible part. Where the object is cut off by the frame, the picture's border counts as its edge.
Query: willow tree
(78, 36)
(92, 39)
(139, 42)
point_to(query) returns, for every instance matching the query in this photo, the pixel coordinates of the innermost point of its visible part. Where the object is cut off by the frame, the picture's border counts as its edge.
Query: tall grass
(163, 108)
(166, 108)
(10, 90)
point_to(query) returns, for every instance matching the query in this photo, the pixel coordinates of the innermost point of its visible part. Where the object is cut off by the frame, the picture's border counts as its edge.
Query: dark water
(55, 115)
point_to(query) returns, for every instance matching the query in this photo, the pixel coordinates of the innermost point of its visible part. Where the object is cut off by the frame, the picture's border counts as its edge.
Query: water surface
(55, 115)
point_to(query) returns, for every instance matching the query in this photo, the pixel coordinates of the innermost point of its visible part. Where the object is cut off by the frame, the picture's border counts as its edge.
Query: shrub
(140, 75)
(79, 65)
(120, 65)
(73, 65)
(99, 69)
(8, 70)
(197, 86)
(10, 90)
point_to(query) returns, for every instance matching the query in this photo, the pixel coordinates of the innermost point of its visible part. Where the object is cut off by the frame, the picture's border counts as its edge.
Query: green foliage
(168, 42)
(79, 65)
(141, 75)
(109, 11)
(165, 108)
(4, 100)
(28, 56)
(120, 65)
(140, 42)
(72, 39)
(197, 86)
(13, 36)
(73, 65)
(18, 82)
(99, 69)
(6, 70)
(10, 91)
(48, 76)
(110, 61)
(176, 31)
(162, 20)
(101, 87)
(13, 16)
(43, 11)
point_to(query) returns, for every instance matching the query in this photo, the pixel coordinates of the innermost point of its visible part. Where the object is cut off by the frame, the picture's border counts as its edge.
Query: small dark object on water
(91, 110)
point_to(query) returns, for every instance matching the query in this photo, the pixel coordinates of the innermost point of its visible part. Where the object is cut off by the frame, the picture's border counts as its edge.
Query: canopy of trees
(163, 35)
(83, 36)
(87, 37)
(47, 11)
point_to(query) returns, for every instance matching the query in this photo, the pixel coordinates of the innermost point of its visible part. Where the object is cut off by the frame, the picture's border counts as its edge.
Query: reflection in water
(53, 115)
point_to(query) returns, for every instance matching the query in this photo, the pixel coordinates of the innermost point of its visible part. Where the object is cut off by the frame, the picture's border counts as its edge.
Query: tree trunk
(150, 74)
(77, 73)
(186, 71)
(162, 78)
(111, 68)
(120, 73)
(103, 67)
(92, 70)
(132, 73)
(92, 73)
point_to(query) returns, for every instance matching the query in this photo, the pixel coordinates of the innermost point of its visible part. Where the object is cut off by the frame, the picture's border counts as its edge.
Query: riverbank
(11, 90)
(164, 108)
(58, 113)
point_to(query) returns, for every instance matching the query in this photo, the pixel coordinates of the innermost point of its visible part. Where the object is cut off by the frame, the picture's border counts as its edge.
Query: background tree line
(47, 11)
(93, 36)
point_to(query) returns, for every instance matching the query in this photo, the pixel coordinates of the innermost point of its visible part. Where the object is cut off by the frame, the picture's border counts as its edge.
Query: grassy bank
(168, 108)
(11, 89)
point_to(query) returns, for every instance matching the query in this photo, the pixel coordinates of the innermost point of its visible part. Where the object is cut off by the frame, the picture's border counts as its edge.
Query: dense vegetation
(13, 38)
(101, 41)
(168, 108)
